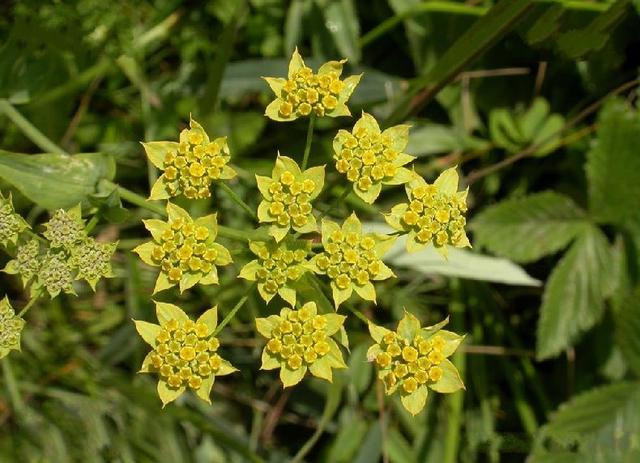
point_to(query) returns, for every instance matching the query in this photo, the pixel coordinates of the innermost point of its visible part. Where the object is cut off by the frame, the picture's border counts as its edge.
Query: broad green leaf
(349, 436)
(415, 402)
(148, 331)
(461, 263)
(427, 139)
(526, 229)
(56, 181)
(341, 21)
(613, 164)
(573, 300)
(627, 336)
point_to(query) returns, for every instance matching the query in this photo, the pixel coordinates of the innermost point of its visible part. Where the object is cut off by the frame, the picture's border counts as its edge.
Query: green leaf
(461, 263)
(526, 229)
(408, 327)
(167, 394)
(450, 381)
(56, 181)
(573, 300)
(427, 139)
(148, 331)
(415, 402)
(341, 22)
(613, 164)
(291, 377)
(166, 312)
(210, 318)
(627, 337)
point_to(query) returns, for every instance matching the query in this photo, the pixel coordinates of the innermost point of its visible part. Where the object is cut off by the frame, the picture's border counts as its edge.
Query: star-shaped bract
(352, 259)
(184, 249)
(300, 341)
(304, 92)
(412, 360)
(287, 197)
(370, 158)
(189, 166)
(184, 352)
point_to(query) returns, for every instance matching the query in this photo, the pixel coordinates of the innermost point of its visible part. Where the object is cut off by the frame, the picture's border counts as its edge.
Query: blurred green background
(535, 101)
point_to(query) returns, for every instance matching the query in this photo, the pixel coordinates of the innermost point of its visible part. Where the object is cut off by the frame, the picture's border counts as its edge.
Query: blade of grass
(30, 130)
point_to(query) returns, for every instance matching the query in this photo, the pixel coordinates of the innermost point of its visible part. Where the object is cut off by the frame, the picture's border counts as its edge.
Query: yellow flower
(184, 352)
(184, 251)
(434, 213)
(10, 328)
(300, 341)
(287, 197)
(370, 158)
(277, 268)
(189, 166)
(303, 91)
(352, 259)
(423, 362)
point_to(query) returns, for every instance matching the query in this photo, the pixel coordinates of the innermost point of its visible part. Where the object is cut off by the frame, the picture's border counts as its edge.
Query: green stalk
(92, 224)
(236, 199)
(12, 387)
(336, 204)
(30, 304)
(231, 314)
(307, 147)
(359, 314)
(29, 129)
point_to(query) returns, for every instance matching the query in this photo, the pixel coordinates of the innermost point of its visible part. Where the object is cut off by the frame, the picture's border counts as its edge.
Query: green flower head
(277, 268)
(287, 197)
(65, 229)
(189, 166)
(413, 360)
(185, 353)
(434, 213)
(56, 274)
(370, 158)
(352, 259)
(10, 328)
(300, 341)
(184, 249)
(27, 263)
(303, 91)
(11, 224)
(92, 260)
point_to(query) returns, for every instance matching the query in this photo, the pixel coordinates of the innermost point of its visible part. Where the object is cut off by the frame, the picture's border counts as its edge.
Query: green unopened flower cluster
(11, 224)
(370, 158)
(434, 213)
(287, 197)
(352, 259)
(189, 166)
(10, 328)
(413, 359)
(185, 353)
(300, 341)
(65, 254)
(304, 92)
(184, 249)
(278, 267)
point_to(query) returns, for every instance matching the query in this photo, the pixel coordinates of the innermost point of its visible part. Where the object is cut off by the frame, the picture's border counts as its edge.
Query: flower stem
(307, 148)
(92, 224)
(30, 304)
(359, 314)
(31, 131)
(231, 314)
(12, 387)
(335, 205)
(234, 196)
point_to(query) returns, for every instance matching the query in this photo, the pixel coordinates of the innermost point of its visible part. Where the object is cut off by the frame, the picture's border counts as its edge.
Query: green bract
(189, 166)
(287, 197)
(10, 328)
(413, 360)
(370, 158)
(304, 92)
(351, 259)
(434, 213)
(11, 224)
(300, 341)
(184, 352)
(184, 249)
(277, 269)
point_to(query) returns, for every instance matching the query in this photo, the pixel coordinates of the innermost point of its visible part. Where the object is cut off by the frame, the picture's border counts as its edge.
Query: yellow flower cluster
(411, 363)
(291, 201)
(370, 158)
(304, 92)
(182, 248)
(189, 166)
(185, 353)
(299, 338)
(277, 268)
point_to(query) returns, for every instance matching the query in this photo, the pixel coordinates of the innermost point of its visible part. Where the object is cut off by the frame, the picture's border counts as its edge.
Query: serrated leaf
(613, 164)
(573, 300)
(526, 229)
(56, 181)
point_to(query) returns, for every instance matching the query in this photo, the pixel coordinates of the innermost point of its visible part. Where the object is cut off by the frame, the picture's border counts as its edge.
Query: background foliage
(535, 101)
